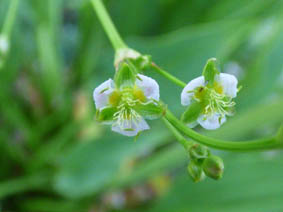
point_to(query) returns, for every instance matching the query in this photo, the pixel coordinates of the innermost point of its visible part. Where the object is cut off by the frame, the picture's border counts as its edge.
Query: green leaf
(88, 167)
(125, 76)
(192, 113)
(210, 70)
(150, 111)
(106, 114)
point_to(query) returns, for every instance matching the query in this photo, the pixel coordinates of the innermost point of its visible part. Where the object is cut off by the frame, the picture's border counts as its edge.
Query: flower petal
(131, 128)
(229, 83)
(187, 97)
(102, 92)
(211, 122)
(149, 86)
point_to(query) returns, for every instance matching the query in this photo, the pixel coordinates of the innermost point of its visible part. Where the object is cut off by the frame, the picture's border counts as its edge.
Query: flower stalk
(108, 25)
(248, 145)
(180, 138)
(168, 76)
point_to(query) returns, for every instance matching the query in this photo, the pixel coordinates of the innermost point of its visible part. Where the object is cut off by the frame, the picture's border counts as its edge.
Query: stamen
(219, 103)
(126, 117)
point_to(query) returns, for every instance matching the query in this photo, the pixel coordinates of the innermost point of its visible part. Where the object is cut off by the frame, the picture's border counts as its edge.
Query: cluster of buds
(203, 163)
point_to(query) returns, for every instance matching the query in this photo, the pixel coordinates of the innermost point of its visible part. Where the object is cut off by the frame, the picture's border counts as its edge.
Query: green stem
(7, 28)
(168, 76)
(108, 25)
(249, 145)
(180, 138)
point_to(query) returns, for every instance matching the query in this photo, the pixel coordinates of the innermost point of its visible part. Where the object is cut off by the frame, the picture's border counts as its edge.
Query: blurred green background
(56, 158)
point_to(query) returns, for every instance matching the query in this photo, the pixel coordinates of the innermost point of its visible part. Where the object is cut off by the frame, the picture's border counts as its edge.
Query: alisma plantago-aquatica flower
(127, 101)
(209, 98)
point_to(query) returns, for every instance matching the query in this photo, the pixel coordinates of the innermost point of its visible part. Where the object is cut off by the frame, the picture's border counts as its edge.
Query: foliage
(55, 157)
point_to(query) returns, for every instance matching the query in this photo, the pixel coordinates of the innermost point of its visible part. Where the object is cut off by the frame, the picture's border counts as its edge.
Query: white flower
(215, 100)
(125, 104)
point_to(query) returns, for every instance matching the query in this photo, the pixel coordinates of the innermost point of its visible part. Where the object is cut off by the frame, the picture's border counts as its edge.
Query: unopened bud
(213, 167)
(195, 171)
(198, 151)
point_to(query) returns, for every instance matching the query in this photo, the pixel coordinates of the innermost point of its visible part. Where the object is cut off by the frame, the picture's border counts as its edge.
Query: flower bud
(195, 171)
(213, 167)
(198, 151)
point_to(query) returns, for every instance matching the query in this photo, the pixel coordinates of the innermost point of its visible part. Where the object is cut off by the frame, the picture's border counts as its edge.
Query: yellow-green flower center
(214, 100)
(125, 100)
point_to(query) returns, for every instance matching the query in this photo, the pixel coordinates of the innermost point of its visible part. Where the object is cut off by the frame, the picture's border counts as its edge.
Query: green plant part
(195, 171)
(213, 167)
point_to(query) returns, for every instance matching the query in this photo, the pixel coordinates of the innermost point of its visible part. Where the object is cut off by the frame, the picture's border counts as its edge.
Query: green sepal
(198, 152)
(143, 62)
(152, 110)
(213, 167)
(192, 113)
(106, 114)
(210, 71)
(125, 76)
(195, 172)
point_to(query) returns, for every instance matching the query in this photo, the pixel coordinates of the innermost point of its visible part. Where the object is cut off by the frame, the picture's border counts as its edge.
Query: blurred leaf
(91, 166)
(251, 183)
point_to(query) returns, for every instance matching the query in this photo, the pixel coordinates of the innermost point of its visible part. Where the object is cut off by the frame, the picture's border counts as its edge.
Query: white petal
(149, 86)
(102, 92)
(229, 83)
(186, 97)
(211, 122)
(135, 127)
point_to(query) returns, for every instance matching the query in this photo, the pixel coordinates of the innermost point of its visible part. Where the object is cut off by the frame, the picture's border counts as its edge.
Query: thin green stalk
(108, 25)
(8, 25)
(180, 138)
(249, 145)
(168, 76)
